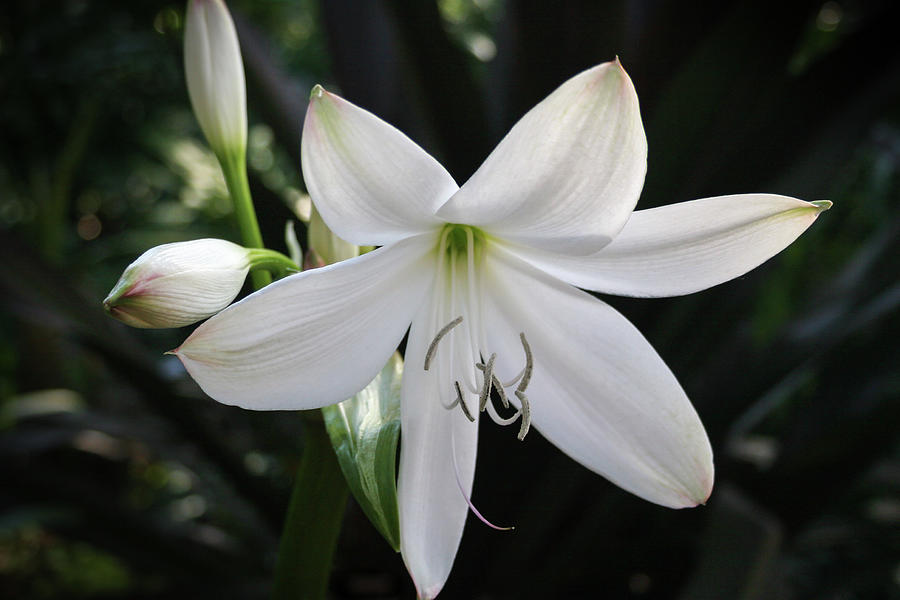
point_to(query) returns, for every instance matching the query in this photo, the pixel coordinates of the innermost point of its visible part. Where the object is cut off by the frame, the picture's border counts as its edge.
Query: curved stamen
(497, 385)
(450, 406)
(526, 415)
(529, 365)
(523, 379)
(462, 403)
(429, 354)
(500, 392)
(488, 378)
(469, 386)
(515, 379)
(496, 418)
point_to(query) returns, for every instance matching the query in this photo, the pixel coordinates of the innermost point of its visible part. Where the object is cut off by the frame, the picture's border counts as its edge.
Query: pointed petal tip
(693, 500)
(428, 594)
(699, 496)
(822, 205)
(613, 67)
(706, 498)
(612, 73)
(317, 92)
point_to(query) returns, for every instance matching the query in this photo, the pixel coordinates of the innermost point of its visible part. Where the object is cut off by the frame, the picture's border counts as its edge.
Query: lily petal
(598, 390)
(371, 184)
(438, 446)
(314, 338)
(568, 174)
(686, 247)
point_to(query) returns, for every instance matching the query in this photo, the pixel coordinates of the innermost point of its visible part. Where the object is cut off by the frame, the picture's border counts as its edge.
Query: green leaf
(364, 430)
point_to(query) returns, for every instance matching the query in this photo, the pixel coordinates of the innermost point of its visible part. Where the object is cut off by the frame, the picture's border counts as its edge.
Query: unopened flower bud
(174, 285)
(215, 76)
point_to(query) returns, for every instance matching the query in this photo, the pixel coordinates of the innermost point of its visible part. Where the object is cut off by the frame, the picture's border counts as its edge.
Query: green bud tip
(823, 205)
(316, 92)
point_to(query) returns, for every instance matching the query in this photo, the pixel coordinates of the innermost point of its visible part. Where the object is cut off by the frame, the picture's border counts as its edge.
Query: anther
(462, 403)
(526, 415)
(497, 385)
(440, 334)
(529, 364)
(488, 380)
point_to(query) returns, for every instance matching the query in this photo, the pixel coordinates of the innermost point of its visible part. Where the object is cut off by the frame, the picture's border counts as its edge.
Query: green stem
(313, 521)
(274, 262)
(234, 167)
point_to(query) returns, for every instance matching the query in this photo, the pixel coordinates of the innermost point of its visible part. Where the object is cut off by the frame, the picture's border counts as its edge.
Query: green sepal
(364, 431)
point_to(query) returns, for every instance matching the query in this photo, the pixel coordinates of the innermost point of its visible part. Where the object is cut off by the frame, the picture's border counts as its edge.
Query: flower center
(460, 240)
(458, 352)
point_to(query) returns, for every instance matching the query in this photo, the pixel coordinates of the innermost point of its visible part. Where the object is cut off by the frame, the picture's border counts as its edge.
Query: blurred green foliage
(119, 479)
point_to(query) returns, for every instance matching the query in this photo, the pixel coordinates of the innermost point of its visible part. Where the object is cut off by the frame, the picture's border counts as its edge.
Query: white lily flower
(215, 76)
(485, 274)
(177, 284)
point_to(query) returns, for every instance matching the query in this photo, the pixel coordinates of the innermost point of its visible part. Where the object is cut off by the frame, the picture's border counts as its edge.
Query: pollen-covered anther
(526, 415)
(497, 385)
(529, 365)
(429, 354)
(462, 403)
(488, 380)
(491, 381)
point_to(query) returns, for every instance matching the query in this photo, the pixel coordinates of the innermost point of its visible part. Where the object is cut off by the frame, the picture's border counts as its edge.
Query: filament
(496, 418)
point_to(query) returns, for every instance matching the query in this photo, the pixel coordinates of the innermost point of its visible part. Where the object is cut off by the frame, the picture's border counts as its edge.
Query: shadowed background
(120, 479)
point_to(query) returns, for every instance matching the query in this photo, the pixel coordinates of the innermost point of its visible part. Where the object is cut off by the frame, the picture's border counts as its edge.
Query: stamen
(529, 364)
(526, 415)
(515, 379)
(440, 334)
(462, 403)
(468, 385)
(496, 418)
(498, 385)
(450, 406)
(500, 392)
(488, 380)
(474, 305)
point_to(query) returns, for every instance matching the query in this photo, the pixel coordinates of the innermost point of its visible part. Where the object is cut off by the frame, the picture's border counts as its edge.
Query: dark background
(119, 479)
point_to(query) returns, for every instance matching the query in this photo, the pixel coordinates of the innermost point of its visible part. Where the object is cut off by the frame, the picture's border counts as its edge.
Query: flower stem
(234, 167)
(310, 532)
(274, 262)
(313, 521)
